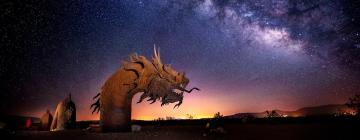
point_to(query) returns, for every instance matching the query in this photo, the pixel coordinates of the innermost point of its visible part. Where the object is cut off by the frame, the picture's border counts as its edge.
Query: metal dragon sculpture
(154, 80)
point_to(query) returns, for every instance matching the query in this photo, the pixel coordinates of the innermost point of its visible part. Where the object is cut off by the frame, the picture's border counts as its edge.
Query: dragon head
(167, 84)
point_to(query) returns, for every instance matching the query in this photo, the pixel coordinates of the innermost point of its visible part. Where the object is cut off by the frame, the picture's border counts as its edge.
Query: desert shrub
(170, 118)
(354, 102)
(218, 115)
(272, 114)
(189, 116)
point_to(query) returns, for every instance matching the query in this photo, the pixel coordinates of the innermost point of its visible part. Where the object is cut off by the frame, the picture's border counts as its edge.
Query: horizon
(184, 116)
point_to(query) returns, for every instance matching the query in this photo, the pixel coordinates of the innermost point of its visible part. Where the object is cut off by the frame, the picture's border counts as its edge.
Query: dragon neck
(116, 98)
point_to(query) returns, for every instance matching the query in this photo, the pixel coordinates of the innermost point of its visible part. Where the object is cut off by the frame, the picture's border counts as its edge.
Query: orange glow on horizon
(202, 104)
(195, 104)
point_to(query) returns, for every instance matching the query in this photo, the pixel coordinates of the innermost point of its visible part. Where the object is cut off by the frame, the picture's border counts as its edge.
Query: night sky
(244, 55)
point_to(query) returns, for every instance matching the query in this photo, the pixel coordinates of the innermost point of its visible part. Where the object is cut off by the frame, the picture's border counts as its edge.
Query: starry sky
(244, 55)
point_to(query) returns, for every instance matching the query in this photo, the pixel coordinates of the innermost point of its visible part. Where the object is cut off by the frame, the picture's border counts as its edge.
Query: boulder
(45, 121)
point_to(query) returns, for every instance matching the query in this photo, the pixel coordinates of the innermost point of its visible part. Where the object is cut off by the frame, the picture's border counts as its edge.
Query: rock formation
(45, 121)
(64, 116)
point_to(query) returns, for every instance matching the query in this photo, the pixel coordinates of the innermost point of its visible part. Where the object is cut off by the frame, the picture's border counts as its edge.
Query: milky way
(245, 55)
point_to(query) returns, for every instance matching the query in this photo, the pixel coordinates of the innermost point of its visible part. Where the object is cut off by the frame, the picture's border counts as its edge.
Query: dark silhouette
(218, 115)
(354, 102)
(272, 114)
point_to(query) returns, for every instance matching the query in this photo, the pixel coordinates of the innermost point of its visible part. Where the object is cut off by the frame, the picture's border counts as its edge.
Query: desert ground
(189, 131)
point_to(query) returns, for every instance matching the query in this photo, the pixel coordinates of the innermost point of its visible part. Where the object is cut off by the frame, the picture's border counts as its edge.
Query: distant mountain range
(333, 109)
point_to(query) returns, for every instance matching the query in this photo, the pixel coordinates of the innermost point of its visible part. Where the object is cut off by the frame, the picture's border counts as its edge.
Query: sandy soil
(188, 132)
